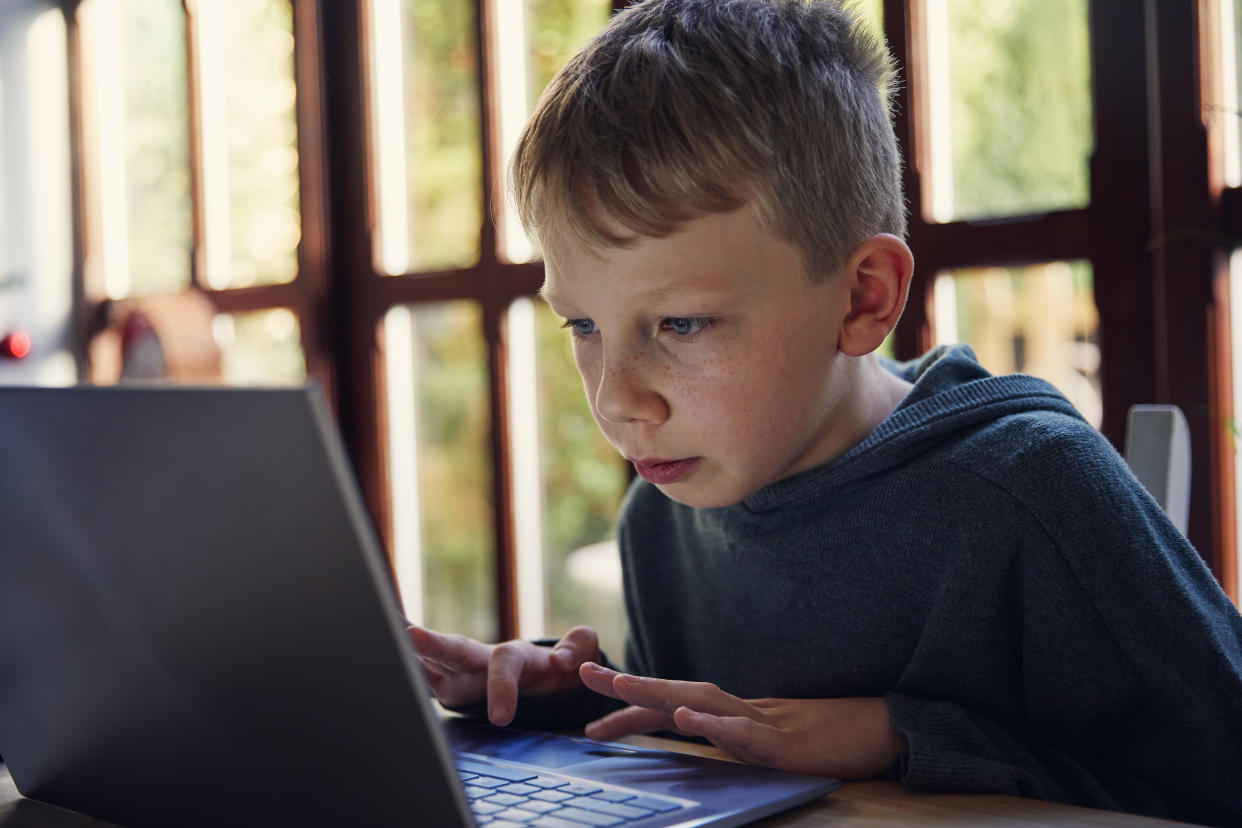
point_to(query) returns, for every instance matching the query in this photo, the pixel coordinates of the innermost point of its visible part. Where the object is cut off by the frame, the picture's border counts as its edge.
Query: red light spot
(15, 345)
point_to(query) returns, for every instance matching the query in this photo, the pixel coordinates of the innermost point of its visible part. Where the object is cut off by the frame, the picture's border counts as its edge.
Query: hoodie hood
(951, 393)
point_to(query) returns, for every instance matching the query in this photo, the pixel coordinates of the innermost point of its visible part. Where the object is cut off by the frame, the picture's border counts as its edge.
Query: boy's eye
(685, 325)
(580, 327)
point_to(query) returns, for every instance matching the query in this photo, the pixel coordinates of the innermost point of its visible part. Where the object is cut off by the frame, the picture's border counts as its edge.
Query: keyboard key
(483, 808)
(614, 796)
(511, 774)
(551, 796)
(505, 799)
(610, 808)
(466, 775)
(489, 782)
(579, 789)
(518, 788)
(517, 815)
(475, 792)
(662, 806)
(504, 823)
(588, 817)
(547, 782)
(549, 821)
(538, 806)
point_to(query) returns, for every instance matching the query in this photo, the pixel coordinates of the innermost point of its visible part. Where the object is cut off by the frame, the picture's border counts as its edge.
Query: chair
(1158, 452)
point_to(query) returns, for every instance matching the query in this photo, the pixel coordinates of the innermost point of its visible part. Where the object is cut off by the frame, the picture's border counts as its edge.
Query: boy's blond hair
(685, 107)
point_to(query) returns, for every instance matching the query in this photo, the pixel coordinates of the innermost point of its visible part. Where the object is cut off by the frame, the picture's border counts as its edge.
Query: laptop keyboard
(504, 797)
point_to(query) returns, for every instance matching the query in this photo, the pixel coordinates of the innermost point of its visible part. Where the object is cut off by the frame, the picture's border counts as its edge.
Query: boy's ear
(879, 272)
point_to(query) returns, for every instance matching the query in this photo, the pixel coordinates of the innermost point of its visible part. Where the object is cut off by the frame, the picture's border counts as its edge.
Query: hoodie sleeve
(1126, 654)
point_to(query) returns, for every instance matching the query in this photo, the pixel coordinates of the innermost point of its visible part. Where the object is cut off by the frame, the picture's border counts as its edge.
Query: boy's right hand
(463, 671)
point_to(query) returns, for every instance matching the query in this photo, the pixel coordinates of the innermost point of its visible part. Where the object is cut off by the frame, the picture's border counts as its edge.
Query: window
(192, 187)
(285, 189)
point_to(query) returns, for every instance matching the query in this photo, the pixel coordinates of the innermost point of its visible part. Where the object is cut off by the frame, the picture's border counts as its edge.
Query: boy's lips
(655, 470)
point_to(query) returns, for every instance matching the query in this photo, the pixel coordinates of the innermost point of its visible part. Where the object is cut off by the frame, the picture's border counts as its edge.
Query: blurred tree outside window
(260, 348)
(426, 112)
(135, 54)
(1016, 139)
(439, 441)
(249, 142)
(1038, 320)
(1010, 85)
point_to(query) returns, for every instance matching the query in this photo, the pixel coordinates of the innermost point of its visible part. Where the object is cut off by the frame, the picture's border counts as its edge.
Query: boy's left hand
(843, 738)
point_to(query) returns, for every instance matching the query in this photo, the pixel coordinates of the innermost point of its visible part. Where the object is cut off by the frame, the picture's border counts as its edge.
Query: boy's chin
(699, 497)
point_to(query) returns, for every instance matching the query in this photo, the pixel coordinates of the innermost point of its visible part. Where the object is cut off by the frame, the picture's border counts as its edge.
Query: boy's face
(709, 359)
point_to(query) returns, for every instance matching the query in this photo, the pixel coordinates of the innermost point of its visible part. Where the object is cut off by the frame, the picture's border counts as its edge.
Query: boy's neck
(878, 393)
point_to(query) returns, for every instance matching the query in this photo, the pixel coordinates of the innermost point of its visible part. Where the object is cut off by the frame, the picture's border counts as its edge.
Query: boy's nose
(624, 396)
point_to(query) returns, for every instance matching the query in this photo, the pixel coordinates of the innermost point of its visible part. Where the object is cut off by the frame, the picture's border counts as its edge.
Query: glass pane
(134, 51)
(583, 482)
(425, 114)
(534, 39)
(872, 11)
(441, 473)
(261, 348)
(1039, 320)
(250, 156)
(556, 29)
(1010, 103)
(1225, 111)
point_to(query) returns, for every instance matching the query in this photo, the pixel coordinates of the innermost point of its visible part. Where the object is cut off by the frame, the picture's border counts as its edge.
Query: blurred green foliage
(455, 473)
(262, 348)
(157, 165)
(1020, 83)
(265, 216)
(444, 156)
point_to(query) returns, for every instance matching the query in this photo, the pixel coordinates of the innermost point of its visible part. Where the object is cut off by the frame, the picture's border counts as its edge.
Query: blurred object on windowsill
(178, 324)
(142, 353)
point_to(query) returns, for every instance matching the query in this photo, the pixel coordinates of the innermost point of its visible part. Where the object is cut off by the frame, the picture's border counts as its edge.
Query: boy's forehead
(717, 255)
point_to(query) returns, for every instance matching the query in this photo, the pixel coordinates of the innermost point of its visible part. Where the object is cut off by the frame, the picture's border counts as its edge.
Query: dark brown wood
(496, 299)
(904, 30)
(354, 314)
(1190, 276)
(194, 108)
(82, 308)
(314, 246)
(1121, 208)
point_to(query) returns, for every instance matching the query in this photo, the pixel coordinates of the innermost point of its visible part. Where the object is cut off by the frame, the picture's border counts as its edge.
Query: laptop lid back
(181, 639)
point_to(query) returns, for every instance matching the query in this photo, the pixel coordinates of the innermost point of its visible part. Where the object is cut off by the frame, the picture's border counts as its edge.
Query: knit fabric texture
(985, 561)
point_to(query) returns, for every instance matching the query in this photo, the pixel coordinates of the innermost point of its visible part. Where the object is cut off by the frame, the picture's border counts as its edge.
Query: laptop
(198, 627)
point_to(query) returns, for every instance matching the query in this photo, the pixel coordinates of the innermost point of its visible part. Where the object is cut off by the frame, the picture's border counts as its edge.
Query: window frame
(1159, 255)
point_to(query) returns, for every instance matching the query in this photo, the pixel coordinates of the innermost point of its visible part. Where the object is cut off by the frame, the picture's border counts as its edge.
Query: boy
(832, 564)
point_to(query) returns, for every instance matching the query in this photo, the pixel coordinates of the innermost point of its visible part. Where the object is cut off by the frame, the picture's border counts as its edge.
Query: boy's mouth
(663, 472)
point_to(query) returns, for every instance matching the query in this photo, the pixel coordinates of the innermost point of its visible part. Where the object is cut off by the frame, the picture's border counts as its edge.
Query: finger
(576, 646)
(667, 695)
(599, 678)
(628, 721)
(740, 736)
(504, 673)
(453, 652)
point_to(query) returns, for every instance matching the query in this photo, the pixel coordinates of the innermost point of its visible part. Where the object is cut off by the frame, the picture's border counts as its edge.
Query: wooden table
(870, 804)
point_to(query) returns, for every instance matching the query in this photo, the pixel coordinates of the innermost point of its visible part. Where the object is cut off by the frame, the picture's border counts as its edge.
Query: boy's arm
(1127, 653)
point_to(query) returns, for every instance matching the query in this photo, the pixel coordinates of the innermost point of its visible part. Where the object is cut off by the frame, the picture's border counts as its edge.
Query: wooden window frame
(1157, 253)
